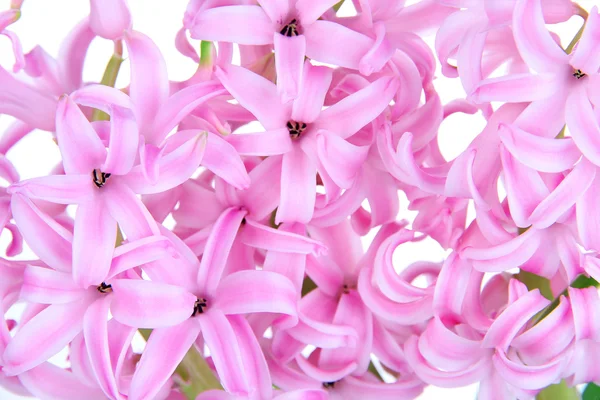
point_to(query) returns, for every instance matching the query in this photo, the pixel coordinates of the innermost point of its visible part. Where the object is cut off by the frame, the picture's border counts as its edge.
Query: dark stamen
(199, 307)
(345, 289)
(104, 288)
(99, 178)
(578, 74)
(328, 385)
(290, 29)
(295, 128)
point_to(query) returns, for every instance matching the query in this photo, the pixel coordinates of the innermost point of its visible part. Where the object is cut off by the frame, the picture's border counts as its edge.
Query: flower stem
(110, 77)
(195, 373)
(205, 53)
(560, 391)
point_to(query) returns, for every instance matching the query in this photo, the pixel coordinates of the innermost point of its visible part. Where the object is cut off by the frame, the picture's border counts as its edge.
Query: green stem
(338, 5)
(110, 77)
(560, 391)
(196, 376)
(205, 53)
(584, 14)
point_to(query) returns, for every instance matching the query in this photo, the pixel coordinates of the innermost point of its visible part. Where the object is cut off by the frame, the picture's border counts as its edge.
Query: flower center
(578, 74)
(296, 128)
(346, 289)
(328, 385)
(199, 307)
(104, 288)
(291, 29)
(99, 178)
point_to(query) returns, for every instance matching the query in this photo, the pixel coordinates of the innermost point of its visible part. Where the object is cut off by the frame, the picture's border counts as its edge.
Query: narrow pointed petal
(109, 19)
(342, 160)
(149, 86)
(46, 286)
(72, 54)
(60, 189)
(139, 252)
(255, 93)
(275, 9)
(263, 237)
(47, 381)
(183, 45)
(13, 134)
(18, 99)
(95, 331)
(243, 293)
(564, 196)
(263, 195)
(588, 219)
(146, 304)
(515, 88)
(180, 104)
(245, 25)
(55, 248)
(94, 239)
(44, 335)
(535, 44)
(224, 160)
(170, 346)
(225, 352)
(311, 10)
(81, 148)
(583, 125)
(586, 322)
(311, 96)
(527, 376)
(128, 210)
(539, 153)
(349, 115)
(289, 63)
(298, 187)
(585, 57)
(269, 143)
(124, 139)
(217, 249)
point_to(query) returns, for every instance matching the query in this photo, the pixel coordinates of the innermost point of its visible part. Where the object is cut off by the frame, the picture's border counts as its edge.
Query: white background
(47, 22)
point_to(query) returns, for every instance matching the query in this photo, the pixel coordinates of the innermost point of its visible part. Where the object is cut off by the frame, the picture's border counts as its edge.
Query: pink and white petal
(326, 274)
(298, 187)
(95, 331)
(525, 189)
(60, 189)
(264, 237)
(527, 376)
(243, 293)
(139, 252)
(149, 87)
(333, 43)
(304, 394)
(26, 103)
(404, 388)
(72, 54)
(588, 220)
(515, 88)
(124, 139)
(342, 160)
(146, 304)
(46, 286)
(224, 160)
(44, 335)
(564, 196)
(94, 239)
(379, 54)
(255, 93)
(54, 248)
(253, 358)
(277, 10)
(81, 148)
(325, 375)
(586, 322)
(540, 153)
(246, 24)
(13, 134)
(128, 210)
(183, 45)
(170, 346)
(109, 19)
(311, 96)
(508, 324)
(217, 249)
(585, 57)
(269, 143)
(263, 195)
(311, 10)
(536, 46)
(181, 104)
(583, 125)
(101, 97)
(225, 351)
(289, 63)
(175, 166)
(47, 381)
(349, 115)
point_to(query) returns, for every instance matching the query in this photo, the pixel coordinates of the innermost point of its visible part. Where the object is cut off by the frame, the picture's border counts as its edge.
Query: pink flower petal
(515, 88)
(583, 125)
(245, 25)
(47, 381)
(527, 376)
(585, 57)
(289, 63)
(109, 19)
(311, 10)
(146, 304)
(71, 56)
(61, 189)
(267, 143)
(583, 303)
(311, 95)
(224, 160)
(341, 160)
(264, 237)
(263, 195)
(298, 187)
(139, 252)
(46, 286)
(124, 139)
(588, 220)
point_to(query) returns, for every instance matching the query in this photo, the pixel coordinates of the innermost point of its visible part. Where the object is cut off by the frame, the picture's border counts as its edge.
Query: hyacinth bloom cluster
(244, 225)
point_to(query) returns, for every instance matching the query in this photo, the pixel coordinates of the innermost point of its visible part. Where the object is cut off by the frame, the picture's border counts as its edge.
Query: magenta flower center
(290, 29)
(104, 288)
(578, 74)
(199, 306)
(99, 178)
(296, 128)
